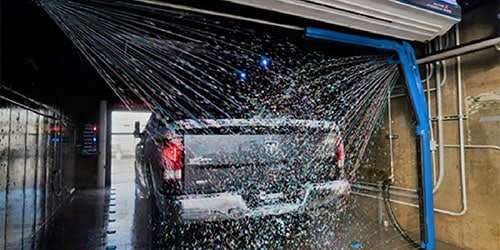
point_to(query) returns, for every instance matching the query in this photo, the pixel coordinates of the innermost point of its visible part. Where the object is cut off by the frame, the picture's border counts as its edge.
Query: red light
(172, 154)
(58, 128)
(339, 145)
(94, 128)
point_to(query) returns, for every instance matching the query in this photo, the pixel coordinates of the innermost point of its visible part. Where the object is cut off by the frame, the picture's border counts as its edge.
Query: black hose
(386, 185)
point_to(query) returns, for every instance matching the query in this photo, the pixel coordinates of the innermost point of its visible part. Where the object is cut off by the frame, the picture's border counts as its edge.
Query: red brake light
(339, 145)
(172, 155)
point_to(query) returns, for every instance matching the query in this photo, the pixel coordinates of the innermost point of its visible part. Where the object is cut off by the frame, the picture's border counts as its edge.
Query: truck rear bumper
(230, 206)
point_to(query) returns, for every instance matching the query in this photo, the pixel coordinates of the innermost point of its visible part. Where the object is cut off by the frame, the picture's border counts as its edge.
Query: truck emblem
(271, 148)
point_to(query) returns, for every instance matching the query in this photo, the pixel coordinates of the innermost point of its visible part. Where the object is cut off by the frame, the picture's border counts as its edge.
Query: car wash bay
(61, 191)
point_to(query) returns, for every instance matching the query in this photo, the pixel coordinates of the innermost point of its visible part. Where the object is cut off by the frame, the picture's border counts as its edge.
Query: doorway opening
(123, 208)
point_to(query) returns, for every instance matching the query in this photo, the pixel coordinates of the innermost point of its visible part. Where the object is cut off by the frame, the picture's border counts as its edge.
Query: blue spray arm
(409, 65)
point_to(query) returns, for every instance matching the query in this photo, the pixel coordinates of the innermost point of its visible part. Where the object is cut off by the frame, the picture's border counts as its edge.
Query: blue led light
(264, 62)
(243, 75)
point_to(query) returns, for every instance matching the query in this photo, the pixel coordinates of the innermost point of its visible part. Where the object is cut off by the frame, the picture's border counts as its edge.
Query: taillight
(172, 156)
(339, 151)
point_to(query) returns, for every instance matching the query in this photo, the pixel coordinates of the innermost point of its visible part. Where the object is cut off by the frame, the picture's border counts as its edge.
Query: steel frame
(409, 65)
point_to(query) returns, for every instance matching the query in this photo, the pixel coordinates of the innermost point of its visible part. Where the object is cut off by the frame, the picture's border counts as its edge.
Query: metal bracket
(409, 65)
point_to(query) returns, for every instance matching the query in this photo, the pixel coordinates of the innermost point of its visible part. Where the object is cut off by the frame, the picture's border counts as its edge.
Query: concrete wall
(478, 225)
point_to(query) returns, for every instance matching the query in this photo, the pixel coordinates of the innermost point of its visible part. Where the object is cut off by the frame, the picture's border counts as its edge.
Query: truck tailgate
(263, 166)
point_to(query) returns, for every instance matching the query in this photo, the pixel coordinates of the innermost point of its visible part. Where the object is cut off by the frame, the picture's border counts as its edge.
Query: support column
(101, 147)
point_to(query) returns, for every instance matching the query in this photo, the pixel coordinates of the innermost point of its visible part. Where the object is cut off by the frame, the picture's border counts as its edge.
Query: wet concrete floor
(113, 219)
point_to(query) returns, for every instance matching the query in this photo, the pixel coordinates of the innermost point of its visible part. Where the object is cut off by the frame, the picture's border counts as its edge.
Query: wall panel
(36, 170)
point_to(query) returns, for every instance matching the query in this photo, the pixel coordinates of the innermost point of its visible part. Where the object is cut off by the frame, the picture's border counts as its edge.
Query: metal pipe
(402, 203)
(391, 177)
(440, 138)
(380, 198)
(442, 63)
(444, 74)
(429, 69)
(429, 73)
(461, 128)
(404, 189)
(364, 184)
(494, 147)
(439, 103)
(380, 218)
(460, 50)
(402, 95)
(392, 192)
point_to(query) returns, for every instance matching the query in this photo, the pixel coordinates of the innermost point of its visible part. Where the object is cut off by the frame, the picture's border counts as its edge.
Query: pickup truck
(238, 170)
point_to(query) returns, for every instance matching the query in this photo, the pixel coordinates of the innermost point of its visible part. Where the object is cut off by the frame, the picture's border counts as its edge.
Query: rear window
(257, 148)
